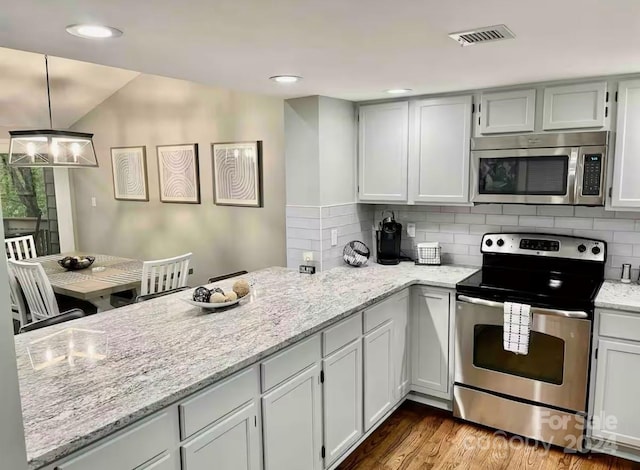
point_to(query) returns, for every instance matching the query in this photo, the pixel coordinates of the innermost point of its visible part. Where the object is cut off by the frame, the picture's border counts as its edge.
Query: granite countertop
(163, 350)
(619, 296)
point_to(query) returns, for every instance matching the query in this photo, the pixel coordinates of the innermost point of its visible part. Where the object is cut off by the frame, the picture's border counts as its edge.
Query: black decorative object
(75, 263)
(201, 294)
(356, 253)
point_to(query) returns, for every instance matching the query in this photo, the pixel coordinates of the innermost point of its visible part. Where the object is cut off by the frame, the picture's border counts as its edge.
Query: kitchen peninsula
(160, 352)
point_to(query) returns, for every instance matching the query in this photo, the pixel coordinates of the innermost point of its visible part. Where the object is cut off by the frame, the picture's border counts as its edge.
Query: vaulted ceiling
(76, 88)
(352, 49)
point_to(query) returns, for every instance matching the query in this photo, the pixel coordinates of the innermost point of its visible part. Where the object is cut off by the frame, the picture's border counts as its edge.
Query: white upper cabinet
(439, 150)
(383, 151)
(575, 106)
(509, 111)
(626, 165)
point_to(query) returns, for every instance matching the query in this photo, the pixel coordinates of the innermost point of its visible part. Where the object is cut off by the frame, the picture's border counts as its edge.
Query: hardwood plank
(418, 437)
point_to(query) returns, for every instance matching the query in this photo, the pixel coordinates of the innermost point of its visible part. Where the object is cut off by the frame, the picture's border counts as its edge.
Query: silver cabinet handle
(535, 310)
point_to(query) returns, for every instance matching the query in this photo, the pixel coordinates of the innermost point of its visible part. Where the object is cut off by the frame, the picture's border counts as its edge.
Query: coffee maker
(388, 238)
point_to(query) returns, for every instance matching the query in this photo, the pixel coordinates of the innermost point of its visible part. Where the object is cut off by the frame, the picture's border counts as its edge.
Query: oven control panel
(592, 174)
(540, 244)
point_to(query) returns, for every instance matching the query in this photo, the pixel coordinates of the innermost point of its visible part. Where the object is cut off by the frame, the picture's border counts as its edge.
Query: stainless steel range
(541, 394)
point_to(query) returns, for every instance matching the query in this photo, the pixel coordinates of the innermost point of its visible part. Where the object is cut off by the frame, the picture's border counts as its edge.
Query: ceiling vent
(482, 35)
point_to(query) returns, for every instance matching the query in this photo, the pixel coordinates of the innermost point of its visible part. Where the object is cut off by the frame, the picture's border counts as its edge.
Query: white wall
(12, 447)
(154, 111)
(337, 153)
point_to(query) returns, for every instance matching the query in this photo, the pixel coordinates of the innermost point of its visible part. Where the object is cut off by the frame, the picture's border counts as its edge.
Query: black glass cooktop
(547, 289)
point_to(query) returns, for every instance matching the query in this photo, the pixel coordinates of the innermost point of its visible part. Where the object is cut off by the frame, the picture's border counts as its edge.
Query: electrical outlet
(307, 256)
(334, 237)
(411, 230)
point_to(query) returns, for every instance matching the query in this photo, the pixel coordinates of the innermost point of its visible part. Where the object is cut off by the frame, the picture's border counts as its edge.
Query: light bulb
(31, 149)
(55, 150)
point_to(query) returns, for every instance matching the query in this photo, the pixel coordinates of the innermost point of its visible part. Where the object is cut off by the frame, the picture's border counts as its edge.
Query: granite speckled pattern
(163, 350)
(618, 296)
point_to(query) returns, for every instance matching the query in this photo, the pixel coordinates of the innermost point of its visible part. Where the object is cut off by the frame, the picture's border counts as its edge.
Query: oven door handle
(534, 310)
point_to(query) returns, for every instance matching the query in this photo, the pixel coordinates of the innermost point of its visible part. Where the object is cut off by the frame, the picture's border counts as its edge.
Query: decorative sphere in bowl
(74, 263)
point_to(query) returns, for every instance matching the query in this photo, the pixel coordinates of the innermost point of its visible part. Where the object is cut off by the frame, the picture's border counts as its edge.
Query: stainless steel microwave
(554, 168)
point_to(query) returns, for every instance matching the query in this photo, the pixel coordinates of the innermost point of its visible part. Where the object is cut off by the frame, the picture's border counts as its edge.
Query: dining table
(107, 275)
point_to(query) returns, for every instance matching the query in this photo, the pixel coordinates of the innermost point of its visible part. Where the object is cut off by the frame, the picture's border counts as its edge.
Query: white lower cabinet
(342, 400)
(430, 341)
(163, 463)
(616, 405)
(233, 444)
(378, 373)
(292, 423)
(401, 347)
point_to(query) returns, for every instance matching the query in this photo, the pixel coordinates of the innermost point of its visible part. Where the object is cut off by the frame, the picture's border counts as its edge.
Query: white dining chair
(18, 308)
(21, 248)
(165, 274)
(36, 288)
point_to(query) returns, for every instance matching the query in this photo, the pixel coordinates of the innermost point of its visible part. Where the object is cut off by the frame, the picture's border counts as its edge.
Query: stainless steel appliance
(553, 168)
(543, 394)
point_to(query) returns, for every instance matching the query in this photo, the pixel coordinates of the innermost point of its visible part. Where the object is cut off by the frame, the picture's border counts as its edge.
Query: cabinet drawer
(383, 311)
(163, 463)
(219, 400)
(129, 450)
(620, 325)
(289, 362)
(343, 333)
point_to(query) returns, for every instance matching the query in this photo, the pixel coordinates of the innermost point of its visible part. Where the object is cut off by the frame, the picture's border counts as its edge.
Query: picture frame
(237, 173)
(129, 171)
(179, 173)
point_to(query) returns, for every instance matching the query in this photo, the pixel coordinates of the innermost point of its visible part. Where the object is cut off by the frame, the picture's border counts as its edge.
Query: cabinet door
(616, 404)
(383, 152)
(342, 400)
(234, 444)
(292, 423)
(439, 155)
(401, 351)
(430, 342)
(509, 111)
(626, 190)
(378, 374)
(574, 106)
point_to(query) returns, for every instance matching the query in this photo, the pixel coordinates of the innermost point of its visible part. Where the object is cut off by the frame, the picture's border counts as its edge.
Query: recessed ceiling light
(398, 91)
(285, 78)
(93, 31)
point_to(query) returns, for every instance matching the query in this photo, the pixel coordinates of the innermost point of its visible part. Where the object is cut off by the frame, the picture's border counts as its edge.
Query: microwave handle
(534, 310)
(574, 185)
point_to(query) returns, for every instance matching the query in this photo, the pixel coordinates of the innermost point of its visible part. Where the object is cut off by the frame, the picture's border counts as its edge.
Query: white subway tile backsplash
(467, 239)
(464, 260)
(470, 218)
(411, 216)
(627, 215)
(299, 244)
(574, 223)
(502, 219)
(618, 261)
(345, 209)
(622, 225)
(298, 222)
(518, 209)
(482, 229)
(439, 237)
(603, 235)
(428, 227)
(635, 251)
(555, 210)
(447, 218)
(303, 233)
(535, 221)
(487, 209)
(598, 212)
(457, 209)
(454, 228)
(554, 230)
(619, 249)
(455, 248)
(627, 237)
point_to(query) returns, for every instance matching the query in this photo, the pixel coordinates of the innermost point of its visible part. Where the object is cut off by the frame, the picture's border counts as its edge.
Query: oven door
(524, 176)
(554, 372)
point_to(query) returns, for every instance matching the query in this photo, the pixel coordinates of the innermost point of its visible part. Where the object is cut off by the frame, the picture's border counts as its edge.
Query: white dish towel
(516, 328)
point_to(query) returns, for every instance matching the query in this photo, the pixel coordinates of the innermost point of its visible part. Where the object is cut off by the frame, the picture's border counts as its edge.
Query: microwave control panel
(592, 174)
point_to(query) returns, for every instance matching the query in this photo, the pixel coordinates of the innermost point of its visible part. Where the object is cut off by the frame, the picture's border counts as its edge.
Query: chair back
(165, 274)
(36, 288)
(21, 248)
(18, 308)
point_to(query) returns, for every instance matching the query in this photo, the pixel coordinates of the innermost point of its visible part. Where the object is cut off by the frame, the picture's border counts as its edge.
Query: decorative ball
(201, 294)
(217, 289)
(231, 296)
(217, 298)
(241, 287)
(356, 253)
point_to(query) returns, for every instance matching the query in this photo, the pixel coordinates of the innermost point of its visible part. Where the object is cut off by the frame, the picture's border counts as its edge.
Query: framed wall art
(237, 174)
(179, 173)
(129, 165)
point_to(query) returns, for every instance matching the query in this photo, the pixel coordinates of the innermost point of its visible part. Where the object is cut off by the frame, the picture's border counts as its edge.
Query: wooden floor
(419, 437)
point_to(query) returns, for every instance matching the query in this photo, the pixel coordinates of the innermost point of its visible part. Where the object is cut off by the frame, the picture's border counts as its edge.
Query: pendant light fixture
(49, 147)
